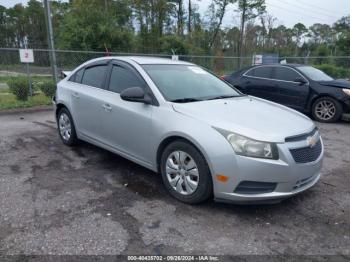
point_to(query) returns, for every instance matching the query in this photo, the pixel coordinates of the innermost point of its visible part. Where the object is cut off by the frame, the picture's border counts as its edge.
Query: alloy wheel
(325, 110)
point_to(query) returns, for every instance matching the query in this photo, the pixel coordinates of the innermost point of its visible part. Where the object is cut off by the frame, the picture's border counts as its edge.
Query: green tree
(249, 9)
(16, 25)
(152, 17)
(88, 25)
(3, 26)
(299, 30)
(342, 25)
(219, 9)
(320, 33)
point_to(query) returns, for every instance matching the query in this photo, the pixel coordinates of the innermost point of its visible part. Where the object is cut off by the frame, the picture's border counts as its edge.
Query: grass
(4, 90)
(5, 79)
(10, 67)
(9, 101)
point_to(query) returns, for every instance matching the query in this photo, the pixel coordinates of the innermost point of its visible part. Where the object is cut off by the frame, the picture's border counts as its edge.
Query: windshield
(314, 73)
(186, 83)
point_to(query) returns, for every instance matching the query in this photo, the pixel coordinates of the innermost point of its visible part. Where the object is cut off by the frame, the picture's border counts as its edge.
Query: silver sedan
(203, 136)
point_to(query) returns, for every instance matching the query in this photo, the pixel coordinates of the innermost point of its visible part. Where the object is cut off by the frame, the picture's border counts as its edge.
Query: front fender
(214, 147)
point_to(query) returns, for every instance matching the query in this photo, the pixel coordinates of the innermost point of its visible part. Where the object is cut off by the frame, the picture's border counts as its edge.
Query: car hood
(249, 116)
(336, 83)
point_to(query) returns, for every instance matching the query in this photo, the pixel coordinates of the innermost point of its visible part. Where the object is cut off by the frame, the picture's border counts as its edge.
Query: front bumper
(291, 178)
(346, 105)
(273, 197)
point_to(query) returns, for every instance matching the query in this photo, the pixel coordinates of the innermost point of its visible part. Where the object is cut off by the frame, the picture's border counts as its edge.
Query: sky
(287, 12)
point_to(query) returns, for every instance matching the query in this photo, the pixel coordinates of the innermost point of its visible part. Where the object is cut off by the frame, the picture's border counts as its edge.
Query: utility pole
(50, 39)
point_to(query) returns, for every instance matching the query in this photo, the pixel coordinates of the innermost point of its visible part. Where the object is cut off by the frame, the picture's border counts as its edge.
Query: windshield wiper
(223, 97)
(186, 100)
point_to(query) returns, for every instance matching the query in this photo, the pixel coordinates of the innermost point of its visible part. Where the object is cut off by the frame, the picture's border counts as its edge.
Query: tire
(333, 110)
(187, 175)
(66, 128)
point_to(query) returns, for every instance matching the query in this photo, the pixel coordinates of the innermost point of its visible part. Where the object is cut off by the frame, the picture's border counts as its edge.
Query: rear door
(290, 93)
(257, 82)
(127, 125)
(86, 100)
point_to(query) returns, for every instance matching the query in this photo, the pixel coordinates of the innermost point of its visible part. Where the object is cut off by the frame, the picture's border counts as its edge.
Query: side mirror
(135, 94)
(300, 80)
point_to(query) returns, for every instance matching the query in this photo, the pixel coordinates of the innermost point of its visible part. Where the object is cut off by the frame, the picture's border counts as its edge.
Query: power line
(298, 13)
(318, 12)
(314, 6)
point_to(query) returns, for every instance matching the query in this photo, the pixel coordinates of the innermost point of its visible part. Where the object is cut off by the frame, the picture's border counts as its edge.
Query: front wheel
(66, 127)
(327, 110)
(185, 173)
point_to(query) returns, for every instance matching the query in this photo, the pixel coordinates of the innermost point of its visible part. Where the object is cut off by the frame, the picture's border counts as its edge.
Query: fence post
(50, 39)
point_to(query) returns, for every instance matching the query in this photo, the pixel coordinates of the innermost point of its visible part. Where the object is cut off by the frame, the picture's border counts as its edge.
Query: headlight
(346, 91)
(245, 146)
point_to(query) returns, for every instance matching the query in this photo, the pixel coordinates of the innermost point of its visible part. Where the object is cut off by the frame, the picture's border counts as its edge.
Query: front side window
(263, 72)
(94, 76)
(314, 73)
(188, 82)
(122, 78)
(286, 74)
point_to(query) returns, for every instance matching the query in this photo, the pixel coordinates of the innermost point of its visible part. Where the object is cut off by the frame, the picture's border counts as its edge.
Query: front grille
(307, 154)
(252, 187)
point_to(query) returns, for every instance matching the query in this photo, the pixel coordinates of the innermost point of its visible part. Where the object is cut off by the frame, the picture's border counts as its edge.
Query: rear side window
(94, 76)
(264, 72)
(286, 74)
(122, 78)
(77, 76)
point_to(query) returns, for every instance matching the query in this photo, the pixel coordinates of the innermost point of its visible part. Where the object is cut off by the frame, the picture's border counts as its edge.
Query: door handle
(75, 95)
(107, 107)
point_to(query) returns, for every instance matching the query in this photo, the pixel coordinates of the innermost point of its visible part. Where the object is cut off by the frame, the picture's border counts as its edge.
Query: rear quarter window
(94, 76)
(77, 76)
(262, 72)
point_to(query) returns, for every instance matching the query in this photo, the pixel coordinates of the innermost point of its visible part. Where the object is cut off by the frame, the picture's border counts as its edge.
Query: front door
(290, 93)
(127, 125)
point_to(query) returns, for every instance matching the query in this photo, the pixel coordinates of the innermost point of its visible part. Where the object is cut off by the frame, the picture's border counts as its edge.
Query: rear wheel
(327, 109)
(185, 173)
(66, 127)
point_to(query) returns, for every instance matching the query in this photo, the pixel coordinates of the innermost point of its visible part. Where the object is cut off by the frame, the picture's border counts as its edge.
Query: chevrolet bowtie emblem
(312, 140)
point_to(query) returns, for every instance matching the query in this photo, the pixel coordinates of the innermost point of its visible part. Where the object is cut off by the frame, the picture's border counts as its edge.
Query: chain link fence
(10, 64)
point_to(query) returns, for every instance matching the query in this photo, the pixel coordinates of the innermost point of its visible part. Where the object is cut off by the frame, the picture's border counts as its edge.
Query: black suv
(300, 87)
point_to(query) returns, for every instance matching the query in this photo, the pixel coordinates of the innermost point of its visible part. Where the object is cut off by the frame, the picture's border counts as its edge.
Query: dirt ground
(85, 200)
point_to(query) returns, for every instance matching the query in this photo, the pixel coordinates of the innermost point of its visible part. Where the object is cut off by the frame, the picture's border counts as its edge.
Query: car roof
(245, 69)
(146, 60)
(278, 64)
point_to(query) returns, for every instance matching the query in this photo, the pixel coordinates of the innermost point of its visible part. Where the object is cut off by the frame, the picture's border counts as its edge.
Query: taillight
(222, 77)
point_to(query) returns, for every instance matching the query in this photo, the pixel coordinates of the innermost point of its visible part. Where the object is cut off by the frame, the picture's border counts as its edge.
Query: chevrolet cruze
(203, 136)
